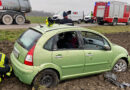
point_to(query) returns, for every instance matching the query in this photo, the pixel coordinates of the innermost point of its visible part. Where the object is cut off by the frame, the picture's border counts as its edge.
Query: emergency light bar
(95, 3)
(108, 3)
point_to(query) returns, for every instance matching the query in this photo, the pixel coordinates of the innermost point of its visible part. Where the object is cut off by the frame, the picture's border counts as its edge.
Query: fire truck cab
(112, 12)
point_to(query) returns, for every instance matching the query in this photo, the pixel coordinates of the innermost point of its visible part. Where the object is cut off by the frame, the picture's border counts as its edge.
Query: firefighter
(65, 19)
(91, 13)
(5, 69)
(92, 20)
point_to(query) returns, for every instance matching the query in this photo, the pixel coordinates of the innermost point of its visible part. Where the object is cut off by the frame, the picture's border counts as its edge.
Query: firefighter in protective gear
(5, 69)
(66, 20)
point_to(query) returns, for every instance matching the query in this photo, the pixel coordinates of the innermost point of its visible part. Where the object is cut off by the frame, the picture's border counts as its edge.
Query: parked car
(88, 19)
(47, 55)
(76, 16)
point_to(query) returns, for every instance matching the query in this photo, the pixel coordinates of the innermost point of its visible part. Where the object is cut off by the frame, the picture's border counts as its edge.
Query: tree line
(40, 13)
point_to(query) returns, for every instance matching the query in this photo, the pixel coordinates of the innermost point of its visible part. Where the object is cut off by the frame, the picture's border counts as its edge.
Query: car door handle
(89, 54)
(59, 56)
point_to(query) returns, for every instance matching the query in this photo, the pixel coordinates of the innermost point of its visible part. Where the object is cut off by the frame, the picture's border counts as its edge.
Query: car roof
(44, 28)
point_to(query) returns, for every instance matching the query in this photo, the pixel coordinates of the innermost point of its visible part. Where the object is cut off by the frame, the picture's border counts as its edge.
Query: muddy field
(95, 82)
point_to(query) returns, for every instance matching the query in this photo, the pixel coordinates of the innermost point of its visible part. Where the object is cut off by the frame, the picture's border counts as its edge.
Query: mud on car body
(47, 55)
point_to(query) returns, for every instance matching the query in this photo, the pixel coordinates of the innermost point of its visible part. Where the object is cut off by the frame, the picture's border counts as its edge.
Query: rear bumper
(25, 73)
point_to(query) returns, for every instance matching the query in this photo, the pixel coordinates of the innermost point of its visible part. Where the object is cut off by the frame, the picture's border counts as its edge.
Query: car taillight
(29, 58)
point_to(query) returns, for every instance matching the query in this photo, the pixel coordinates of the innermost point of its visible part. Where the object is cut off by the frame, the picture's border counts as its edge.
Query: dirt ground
(94, 82)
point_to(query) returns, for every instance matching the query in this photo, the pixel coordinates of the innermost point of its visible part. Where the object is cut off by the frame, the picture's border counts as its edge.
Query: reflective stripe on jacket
(2, 60)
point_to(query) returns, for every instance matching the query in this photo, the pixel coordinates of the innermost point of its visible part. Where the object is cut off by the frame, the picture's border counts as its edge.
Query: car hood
(87, 16)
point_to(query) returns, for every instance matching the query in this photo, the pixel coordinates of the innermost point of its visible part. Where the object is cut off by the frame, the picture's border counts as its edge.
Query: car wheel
(120, 66)
(86, 22)
(79, 21)
(7, 19)
(20, 19)
(101, 23)
(47, 78)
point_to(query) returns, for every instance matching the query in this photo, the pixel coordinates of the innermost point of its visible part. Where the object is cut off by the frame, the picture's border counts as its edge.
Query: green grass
(36, 19)
(10, 35)
(110, 29)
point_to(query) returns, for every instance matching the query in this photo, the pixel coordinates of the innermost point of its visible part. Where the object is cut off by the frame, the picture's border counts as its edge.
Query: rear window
(29, 38)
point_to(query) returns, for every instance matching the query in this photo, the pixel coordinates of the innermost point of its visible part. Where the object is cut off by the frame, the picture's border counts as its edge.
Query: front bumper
(25, 73)
(87, 20)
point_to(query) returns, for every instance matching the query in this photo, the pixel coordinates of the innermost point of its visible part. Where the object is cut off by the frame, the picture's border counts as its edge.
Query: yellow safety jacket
(2, 61)
(9, 73)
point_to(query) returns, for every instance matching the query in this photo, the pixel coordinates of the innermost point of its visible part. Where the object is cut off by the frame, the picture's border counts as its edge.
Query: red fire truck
(112, 12)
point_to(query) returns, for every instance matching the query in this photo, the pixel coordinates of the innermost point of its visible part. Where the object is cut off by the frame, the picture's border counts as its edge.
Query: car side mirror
(106, 47)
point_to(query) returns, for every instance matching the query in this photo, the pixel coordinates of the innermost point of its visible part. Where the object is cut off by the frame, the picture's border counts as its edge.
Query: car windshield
(29, 38)
(59, 13)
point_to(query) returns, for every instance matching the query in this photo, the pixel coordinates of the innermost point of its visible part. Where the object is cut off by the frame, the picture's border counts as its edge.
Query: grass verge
(12, 35)
(36, 19)
(110, 29)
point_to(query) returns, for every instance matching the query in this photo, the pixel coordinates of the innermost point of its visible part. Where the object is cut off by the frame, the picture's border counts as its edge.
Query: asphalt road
(17, 26)
(3, 27)
(11, 27)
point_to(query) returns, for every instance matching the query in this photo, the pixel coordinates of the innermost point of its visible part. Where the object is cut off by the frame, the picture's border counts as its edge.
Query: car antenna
(41, 25)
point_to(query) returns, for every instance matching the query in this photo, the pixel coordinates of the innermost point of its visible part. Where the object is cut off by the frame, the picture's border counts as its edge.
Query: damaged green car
(44, 55)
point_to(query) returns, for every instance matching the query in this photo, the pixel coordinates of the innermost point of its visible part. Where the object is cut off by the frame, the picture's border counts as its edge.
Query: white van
(76, 16)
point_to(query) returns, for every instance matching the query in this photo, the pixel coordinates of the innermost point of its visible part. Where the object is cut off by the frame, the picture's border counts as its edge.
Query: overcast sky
(60, 5)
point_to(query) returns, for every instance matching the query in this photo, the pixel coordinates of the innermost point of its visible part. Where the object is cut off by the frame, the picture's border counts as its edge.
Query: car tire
(101, 23)
(86, 22)
(20, 19)
(47, 78)
(120, 66)
(79, 21)
(7, 19)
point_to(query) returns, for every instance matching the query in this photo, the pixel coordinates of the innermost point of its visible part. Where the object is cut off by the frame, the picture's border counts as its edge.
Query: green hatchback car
(44, 55)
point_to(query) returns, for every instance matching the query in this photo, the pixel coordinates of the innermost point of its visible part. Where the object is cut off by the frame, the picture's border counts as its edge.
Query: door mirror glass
(106, 47)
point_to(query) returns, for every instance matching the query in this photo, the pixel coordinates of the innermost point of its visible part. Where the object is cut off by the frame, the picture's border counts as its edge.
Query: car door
(96, 58)
(69, 59)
